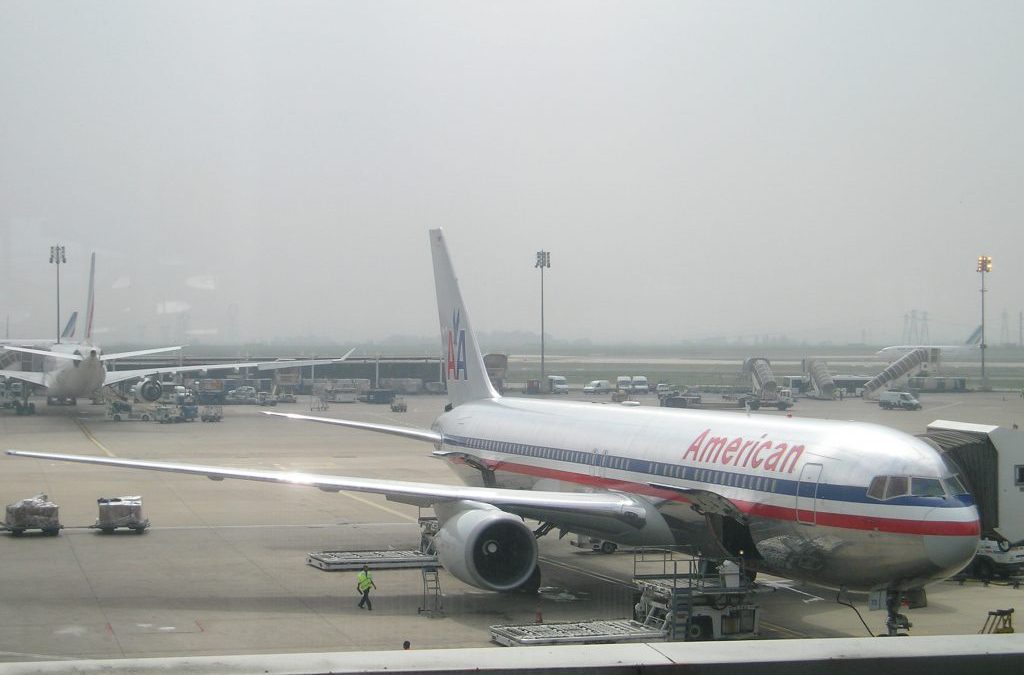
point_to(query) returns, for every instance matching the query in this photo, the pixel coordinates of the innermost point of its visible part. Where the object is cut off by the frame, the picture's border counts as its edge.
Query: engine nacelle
(148, 390)
(487, 548)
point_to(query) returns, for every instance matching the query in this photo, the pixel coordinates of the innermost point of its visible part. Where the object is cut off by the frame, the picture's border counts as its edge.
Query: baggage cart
(34, 513)
(118, 512)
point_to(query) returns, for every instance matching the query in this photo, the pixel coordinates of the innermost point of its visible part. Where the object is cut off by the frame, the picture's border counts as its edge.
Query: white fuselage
(800, 486)
(74, 379)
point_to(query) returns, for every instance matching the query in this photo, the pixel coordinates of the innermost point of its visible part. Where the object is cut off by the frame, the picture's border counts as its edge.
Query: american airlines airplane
(76, 369)
(971, 347)
(841, 504)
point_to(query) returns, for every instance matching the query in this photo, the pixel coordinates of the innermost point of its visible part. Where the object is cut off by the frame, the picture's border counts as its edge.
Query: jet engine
(148, 390)
(487, 548)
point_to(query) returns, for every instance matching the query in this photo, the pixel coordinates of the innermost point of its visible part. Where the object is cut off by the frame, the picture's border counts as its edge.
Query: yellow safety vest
(364, 581)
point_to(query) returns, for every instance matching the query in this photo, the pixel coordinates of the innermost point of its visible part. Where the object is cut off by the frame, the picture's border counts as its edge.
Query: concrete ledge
(989, 654)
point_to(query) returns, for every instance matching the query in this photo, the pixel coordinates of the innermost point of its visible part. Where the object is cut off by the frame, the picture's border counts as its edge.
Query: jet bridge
(822, 384)
(992, 461)
(903, 367)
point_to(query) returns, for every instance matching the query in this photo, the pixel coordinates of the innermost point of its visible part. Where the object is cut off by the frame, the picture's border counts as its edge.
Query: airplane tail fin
(975, 338)
(463, 361)
(69, 330)
(90, 302)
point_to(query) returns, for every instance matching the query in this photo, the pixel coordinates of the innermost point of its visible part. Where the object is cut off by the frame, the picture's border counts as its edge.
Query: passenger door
(807, 494)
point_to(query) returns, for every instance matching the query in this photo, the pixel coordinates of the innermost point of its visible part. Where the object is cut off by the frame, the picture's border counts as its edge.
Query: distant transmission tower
(925, 337)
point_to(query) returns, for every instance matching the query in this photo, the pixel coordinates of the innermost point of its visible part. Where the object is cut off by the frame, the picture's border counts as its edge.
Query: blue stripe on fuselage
(856, 494)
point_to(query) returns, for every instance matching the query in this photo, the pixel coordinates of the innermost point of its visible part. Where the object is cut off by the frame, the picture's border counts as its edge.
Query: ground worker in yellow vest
(364, 582)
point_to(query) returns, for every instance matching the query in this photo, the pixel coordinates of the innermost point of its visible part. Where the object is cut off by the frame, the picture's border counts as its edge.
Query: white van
(640, 385)
(557, 384)
(598, 387)
(624, 383)
(898, 399)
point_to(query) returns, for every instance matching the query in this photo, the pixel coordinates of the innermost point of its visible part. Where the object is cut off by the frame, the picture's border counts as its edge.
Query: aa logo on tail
(456, 350)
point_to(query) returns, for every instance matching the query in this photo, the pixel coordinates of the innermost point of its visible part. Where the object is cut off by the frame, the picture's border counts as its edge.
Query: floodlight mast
(57, 258)
(543, 260)
(984, 267)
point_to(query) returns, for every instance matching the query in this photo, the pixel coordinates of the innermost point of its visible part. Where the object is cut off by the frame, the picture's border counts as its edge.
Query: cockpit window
(926, 487)
(954, 486)
(891, 487)
(897, 486)
(877, 488)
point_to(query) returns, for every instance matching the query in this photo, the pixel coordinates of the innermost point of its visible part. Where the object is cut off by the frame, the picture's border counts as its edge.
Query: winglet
(975, 338)
(463, 361)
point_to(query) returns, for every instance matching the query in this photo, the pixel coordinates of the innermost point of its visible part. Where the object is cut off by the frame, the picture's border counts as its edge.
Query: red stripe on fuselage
(950, 528)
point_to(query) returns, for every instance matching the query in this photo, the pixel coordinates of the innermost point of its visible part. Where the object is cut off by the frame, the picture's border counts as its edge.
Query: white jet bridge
(992, 461)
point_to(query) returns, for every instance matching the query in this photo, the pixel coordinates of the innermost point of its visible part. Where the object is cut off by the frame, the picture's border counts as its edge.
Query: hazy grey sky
(696, 168)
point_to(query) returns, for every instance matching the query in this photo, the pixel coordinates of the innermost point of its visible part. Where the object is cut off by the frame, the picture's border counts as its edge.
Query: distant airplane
(77, 369)
(843, 504)
(67, 334)
(969, 347)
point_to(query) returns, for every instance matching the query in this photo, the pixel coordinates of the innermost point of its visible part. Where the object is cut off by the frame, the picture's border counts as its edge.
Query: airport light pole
(57, 257)
(543, 260)
(984, 267)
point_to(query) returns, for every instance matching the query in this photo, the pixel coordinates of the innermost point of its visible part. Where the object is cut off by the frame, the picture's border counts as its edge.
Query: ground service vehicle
(558, 384)
(997, 558)
(639, 385)
(898, 399)
(624, 383)
(598, 387)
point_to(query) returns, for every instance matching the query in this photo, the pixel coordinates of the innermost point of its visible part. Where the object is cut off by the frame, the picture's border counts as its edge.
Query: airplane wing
(25, 376)
(113, 377)
(42, 352)
(608, 504)
(406, 432)
(140, 352)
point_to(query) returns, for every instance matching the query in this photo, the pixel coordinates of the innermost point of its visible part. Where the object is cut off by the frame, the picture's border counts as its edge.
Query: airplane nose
(951, 552)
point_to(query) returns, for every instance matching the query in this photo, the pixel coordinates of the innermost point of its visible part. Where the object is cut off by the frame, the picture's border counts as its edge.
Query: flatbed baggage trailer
(604, 631)
(34, 513)
(380, 560)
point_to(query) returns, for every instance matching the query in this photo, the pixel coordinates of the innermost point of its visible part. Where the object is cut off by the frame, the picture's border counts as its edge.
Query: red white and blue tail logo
(456, 349)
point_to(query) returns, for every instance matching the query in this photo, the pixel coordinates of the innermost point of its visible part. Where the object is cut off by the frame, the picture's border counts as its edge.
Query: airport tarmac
(222, 570)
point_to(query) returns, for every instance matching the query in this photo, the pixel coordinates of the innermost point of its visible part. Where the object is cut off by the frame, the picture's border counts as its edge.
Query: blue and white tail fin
(975, 338)
(463, 362)
(69, 330)
(90, 302)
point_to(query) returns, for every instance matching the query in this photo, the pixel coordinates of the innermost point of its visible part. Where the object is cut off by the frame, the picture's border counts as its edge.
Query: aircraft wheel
(145, 418)
(117, 418)
(608, 547)
(51, 532)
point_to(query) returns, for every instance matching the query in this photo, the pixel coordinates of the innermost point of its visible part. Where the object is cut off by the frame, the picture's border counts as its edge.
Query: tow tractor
(120, 411)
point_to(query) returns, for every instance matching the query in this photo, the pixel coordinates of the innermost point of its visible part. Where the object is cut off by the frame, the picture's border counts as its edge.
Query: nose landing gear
(894, 621)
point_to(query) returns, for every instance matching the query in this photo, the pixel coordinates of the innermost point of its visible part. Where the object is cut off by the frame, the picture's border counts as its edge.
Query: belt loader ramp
(898, 370)
(992, 461)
